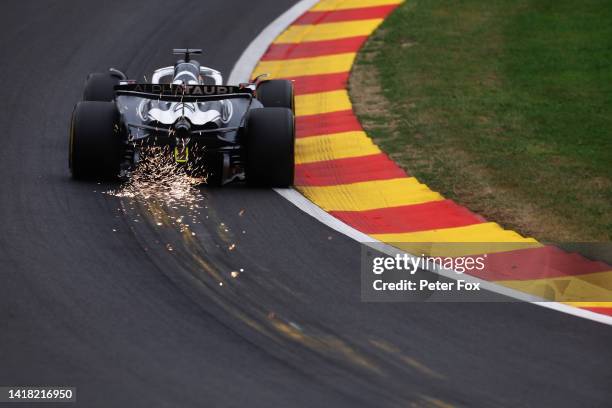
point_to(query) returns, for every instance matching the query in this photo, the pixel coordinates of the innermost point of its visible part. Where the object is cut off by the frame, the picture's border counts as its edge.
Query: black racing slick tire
(269, 147)
(95, 143)
(276, 93)
(100, 87)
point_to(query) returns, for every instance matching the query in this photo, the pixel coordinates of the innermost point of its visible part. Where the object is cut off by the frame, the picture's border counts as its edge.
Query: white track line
(241, 73)
(250, 57)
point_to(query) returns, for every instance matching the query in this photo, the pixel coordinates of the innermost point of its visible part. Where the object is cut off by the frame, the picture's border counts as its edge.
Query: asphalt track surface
(131, 323)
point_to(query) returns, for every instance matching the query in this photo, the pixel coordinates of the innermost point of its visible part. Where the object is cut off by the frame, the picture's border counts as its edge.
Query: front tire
(269, 147)
(276, 93)
(100, 87)
(95, 142)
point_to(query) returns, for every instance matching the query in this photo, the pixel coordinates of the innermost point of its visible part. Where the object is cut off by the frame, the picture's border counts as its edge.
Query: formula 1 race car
(242, 132)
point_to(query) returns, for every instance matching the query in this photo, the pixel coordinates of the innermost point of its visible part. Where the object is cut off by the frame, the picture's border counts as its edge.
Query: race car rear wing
(186, 52)
(184, 93)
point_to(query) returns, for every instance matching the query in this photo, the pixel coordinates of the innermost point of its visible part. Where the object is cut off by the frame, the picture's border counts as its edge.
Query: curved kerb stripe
(342, 171)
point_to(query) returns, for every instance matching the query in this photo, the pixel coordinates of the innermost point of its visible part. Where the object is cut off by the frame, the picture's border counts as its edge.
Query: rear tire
(269, 147)
(277, 93)
(95, 142)
(100, 87)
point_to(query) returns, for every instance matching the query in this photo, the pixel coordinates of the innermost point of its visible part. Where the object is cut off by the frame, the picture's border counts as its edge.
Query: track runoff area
(347, 182)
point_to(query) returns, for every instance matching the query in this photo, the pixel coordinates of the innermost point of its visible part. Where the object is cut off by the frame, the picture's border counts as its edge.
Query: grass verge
(504, 106)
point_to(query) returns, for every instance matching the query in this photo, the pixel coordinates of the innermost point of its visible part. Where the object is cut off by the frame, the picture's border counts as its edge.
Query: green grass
(503, 105)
